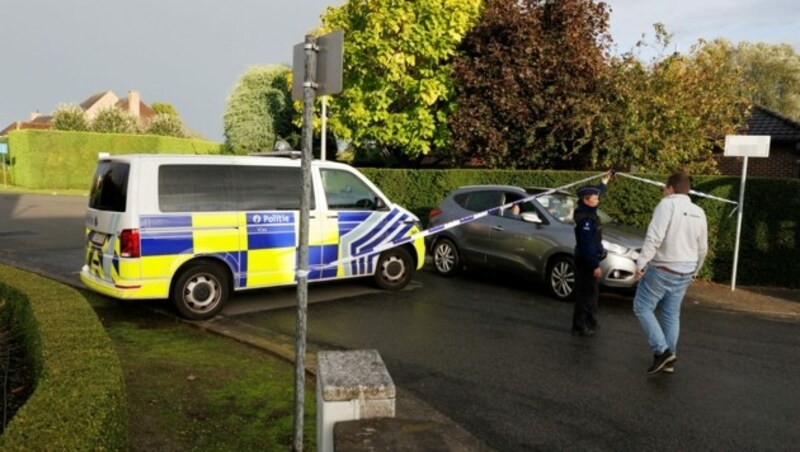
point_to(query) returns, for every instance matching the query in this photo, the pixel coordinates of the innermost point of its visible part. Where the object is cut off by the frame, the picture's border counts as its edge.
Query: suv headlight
(615, 248)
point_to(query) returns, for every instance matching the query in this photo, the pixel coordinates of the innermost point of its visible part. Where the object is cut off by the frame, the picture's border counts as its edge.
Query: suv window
(110, 186)
(195, 188)
(479, 201)
(345, 191)
(268, 188)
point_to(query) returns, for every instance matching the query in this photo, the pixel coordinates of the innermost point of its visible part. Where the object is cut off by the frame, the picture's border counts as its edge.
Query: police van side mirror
(531, 217)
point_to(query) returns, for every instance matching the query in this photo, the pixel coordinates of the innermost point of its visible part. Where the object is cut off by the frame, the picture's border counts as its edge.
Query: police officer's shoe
(585, 331)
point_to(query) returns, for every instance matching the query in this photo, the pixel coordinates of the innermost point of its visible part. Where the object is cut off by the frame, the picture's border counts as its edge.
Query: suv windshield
(561, 206)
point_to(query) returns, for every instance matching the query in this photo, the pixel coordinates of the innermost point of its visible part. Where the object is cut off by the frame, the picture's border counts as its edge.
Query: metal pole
(309, 93)
(324, 126)
(739, 225)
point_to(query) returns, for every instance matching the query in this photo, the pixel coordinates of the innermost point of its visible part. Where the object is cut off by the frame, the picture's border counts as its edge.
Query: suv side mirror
(531, 217)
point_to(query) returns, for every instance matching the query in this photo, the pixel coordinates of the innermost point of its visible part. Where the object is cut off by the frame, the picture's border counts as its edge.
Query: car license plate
(98, 238)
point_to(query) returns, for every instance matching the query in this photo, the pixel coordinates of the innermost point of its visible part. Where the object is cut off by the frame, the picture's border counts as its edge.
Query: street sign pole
(309, 93)
(322, 139)
(743, 146)
(316, 71)
(739, 225)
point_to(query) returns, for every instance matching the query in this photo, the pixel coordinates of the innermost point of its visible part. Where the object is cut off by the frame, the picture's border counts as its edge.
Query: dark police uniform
(589, 252)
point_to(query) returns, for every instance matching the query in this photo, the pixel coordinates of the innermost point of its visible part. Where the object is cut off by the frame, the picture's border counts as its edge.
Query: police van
(196, 228)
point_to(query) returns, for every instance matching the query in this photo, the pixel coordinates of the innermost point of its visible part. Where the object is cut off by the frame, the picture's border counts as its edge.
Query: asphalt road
(495, 355)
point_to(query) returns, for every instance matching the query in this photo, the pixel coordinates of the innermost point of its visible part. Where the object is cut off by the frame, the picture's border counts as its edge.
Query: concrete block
(351, 385)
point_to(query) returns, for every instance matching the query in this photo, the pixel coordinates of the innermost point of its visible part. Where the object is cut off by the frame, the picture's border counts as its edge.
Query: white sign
(746, 146)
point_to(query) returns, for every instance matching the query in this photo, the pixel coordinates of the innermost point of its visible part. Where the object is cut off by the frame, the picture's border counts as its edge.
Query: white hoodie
(677, 235)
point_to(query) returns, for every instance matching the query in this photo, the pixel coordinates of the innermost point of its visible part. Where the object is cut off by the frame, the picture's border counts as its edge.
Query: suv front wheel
(446, 259)
(561, 277)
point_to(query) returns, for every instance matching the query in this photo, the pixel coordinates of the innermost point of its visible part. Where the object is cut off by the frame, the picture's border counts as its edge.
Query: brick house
(96, 102)
(784, 152)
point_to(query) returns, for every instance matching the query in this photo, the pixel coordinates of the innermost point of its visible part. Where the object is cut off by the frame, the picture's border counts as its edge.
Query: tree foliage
(529, 84)
(673, 113)
(773, 71)
(259, 110)
(164, 108)
(113, 120)
(397, 87)
(166, 124)
(69, 117)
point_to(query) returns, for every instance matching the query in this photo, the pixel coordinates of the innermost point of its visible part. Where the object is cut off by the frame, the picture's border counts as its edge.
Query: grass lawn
(192, 390)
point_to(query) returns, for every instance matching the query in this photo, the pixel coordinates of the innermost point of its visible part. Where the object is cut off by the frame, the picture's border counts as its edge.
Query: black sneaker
(659, 361)
(582, 331)
(669, 368)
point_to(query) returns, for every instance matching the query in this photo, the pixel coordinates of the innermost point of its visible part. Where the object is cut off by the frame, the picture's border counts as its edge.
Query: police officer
(588, 254)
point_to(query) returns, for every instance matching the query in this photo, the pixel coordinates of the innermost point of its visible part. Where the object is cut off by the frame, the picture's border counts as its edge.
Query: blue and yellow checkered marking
(260, 248)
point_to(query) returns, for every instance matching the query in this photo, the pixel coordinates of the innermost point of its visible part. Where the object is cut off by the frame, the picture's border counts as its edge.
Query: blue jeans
(662, 291)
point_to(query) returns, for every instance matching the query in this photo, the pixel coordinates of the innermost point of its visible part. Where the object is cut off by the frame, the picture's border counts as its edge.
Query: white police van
(196, 228)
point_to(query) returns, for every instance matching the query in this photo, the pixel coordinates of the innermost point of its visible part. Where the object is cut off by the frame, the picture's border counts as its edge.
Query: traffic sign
(330, 48)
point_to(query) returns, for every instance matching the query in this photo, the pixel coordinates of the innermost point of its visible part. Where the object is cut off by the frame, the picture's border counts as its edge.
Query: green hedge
(54, 159)
(79, 399)
(769, 251)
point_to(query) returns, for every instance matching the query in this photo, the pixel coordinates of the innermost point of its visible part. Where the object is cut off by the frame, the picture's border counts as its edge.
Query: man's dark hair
(679, 182)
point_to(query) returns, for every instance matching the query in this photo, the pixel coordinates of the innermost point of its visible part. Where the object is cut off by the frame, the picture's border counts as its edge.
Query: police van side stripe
(163, 243)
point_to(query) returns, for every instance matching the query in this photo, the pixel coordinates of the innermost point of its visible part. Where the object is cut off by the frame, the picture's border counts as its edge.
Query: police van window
(110, 186)
(195, 188)
(268, 188)
(345, 191)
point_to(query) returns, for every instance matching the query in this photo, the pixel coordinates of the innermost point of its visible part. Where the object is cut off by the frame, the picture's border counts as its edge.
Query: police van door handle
(497, 228)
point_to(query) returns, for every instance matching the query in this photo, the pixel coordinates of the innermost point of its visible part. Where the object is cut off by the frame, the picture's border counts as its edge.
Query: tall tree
(259, 110)
(773, 70)
(397, 86)
(672, 113)
(529, 84)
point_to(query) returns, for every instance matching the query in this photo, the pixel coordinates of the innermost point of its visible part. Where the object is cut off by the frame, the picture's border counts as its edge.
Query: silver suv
(539, 240)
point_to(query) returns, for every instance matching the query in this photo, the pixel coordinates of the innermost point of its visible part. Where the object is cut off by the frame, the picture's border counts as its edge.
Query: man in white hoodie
(674, 249)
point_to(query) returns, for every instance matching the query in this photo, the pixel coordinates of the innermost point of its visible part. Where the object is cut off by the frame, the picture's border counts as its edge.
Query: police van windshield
(110, 186)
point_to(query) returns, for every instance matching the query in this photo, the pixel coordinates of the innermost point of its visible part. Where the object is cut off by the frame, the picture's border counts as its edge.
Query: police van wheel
(200, 291)
(561, 278)
(395, 269)
(446, 259)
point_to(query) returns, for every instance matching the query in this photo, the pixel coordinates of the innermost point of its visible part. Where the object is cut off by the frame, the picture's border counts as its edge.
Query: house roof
(145, 112)
(92, 99)
(42, 122)
(763, 121)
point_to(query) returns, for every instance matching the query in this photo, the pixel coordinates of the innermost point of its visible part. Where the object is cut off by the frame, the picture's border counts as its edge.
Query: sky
(190, 53)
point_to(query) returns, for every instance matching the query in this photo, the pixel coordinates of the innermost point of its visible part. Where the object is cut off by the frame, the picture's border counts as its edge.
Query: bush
(69, 117)
(56, 160)
(79, 399)
(166, 125)
(114, 120)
